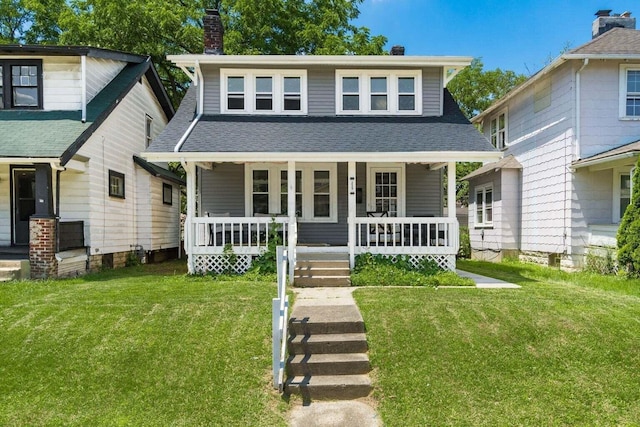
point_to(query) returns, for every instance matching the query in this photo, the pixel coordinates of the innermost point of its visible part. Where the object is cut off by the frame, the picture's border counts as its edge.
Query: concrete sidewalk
(485, 282)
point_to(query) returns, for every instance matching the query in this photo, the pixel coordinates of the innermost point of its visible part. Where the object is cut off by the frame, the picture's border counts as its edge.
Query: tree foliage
(475, 89)
(629, 231)
(150, 27)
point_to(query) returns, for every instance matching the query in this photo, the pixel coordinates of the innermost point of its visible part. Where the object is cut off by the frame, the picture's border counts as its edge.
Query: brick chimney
(213, 32)
(397, 50)
(605, 21)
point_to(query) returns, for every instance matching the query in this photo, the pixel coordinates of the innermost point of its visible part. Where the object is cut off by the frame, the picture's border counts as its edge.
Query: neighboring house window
(630, 91)
(316, 191)
(621, 194)
(378, 92)
(263, 91)
(499, 131)
(148, 128)
(116, 184)
(20, 84)
(167, 194)
(484, 205)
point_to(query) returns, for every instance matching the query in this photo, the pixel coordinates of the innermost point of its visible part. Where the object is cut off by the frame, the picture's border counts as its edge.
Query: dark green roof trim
(94, 52)
(157, 171)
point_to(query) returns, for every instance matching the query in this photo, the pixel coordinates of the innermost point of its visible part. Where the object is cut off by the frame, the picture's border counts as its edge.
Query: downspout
(578, 121)
(83, 90)
(199, 81)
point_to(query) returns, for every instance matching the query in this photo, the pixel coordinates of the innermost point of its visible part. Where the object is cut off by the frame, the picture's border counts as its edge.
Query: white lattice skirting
(203, 264)
(445, 262)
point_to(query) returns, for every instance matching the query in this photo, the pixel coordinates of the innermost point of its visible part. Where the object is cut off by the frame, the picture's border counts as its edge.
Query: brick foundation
(42, 248)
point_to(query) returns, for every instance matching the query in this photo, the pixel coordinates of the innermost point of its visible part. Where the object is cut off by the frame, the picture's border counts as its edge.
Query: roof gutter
(198, 81)
(588, 163)
(585, 62)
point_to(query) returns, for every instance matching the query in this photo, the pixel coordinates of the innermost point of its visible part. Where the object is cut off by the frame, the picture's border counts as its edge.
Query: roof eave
(190, 60)
(46, 50)
(593, 162)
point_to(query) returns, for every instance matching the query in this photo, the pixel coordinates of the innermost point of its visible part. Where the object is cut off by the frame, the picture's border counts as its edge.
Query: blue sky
(518, 35)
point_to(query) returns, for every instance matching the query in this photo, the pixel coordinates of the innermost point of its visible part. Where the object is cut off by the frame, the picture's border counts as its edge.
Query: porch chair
(217, 229)
(382, 234)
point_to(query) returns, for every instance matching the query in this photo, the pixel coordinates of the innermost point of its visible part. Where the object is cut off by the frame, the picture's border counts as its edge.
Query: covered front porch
(235, 209)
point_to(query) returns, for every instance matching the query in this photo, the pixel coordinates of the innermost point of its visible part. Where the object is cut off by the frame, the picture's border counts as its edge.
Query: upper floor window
(148, 129)
(484, 206)
(263, 91)
(630, 91)
(499, 131)
(116, 184)
(378, 92)
(20, 84)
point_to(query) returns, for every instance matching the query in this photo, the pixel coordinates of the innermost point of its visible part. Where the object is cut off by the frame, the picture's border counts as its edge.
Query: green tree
(475, 89)
(629, 230)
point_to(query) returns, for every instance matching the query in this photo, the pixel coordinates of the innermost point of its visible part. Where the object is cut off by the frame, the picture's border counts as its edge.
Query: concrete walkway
(484, 282)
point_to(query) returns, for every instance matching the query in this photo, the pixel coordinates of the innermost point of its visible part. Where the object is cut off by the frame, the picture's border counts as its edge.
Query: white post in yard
(351, 217)
(291, 209)
(451, 189)
(189, 235)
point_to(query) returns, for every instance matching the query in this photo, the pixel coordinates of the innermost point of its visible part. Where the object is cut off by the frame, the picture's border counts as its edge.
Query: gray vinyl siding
(222, 189)
(321, 91)
(431, 91)
(211, 90)
(424, 189)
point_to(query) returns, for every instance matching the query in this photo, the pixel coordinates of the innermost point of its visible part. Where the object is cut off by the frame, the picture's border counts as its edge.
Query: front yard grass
(140, 346)
(563, 350)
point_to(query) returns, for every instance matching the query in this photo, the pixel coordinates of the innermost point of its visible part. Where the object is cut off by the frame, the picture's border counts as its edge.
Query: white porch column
(351, 217)
(291, 209)
(451, 189)
(190, 169)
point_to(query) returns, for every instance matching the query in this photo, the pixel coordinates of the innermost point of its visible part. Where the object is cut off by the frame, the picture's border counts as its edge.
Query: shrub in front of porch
(629, 231)
(380, 270)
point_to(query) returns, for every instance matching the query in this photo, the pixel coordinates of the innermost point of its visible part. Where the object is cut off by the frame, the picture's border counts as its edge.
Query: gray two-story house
(570, 135)
(346, 154)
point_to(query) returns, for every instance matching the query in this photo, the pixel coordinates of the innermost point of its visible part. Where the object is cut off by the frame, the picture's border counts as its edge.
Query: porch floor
(14, 253)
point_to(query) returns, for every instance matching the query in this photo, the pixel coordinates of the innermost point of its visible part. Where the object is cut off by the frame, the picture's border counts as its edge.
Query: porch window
(116, 184)
(484, 206)
(20, 84)
(260, 195)
(263, 91)
(378, 92)
(284, 196)
(235, 93)
(499, 131)
(316, 191)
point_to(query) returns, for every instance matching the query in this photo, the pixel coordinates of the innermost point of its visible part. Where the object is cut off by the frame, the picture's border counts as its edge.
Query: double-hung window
(20, 84)
(263, 91)
(116, 184)
(267, 186)
(378, 92)
(484, 206)
(630, 91)
(499, 131)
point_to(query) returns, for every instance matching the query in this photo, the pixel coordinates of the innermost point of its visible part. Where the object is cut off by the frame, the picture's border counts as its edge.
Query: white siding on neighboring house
(510, 213)
(486, 239)
(62, 88)
(74, 206)
(144, 208)
(99, 73)
(5, 206)
(113, 221)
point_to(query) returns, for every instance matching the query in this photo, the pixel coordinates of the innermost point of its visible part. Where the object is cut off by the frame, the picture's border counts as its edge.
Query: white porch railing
(280, 317)
(414, 235)
(247, 235)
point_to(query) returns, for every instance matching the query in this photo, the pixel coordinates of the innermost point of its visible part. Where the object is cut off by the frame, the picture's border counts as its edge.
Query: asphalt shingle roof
(508, 162)
(158, 171)
(617, 41)
(632, 148)
(326, 134)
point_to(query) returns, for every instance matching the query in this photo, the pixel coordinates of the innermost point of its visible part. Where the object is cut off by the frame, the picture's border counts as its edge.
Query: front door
(385, 190)
(24, 203)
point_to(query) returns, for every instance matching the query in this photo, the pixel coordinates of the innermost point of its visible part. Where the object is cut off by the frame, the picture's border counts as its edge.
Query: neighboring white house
(73, 195)
(367, 139)
(570, 136)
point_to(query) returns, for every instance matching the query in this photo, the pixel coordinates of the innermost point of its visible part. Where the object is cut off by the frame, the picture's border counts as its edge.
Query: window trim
(393, 99)
(505, 130)
(622, 95)
(167, 200)
(7, 86)
(617, 176)
(250, 90)
(483, 188)
(307, 169)
(114, 174)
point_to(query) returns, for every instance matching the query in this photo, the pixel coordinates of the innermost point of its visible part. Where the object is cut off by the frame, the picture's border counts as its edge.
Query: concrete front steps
(13, 270)
(322, 270)
(328, 353)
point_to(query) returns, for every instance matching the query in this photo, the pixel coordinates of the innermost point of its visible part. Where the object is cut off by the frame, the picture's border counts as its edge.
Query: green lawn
(136, 347)
(563, 350)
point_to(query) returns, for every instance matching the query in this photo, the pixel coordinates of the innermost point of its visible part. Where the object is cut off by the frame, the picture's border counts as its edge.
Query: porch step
(328, 343)
(339, 387)
(322, 269)
(13, 270)
(329, 364)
